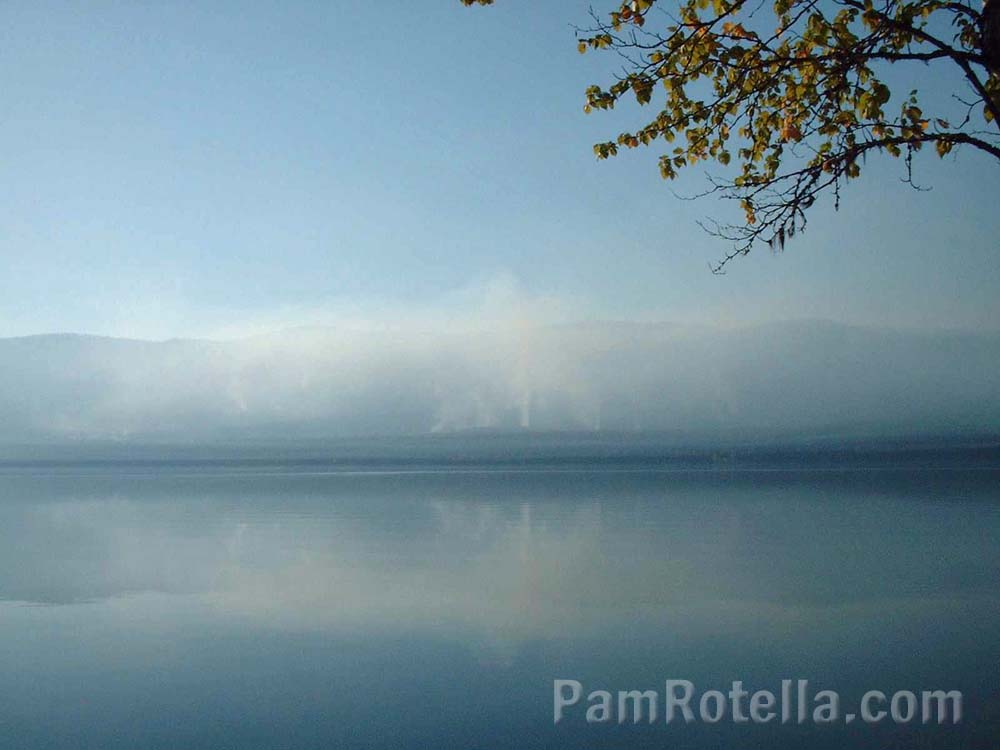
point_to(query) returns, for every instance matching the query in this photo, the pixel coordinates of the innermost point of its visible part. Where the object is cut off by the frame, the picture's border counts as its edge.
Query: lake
(396, 599)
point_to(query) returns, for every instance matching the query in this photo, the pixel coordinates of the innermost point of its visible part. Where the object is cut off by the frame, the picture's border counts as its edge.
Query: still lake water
(188, 605)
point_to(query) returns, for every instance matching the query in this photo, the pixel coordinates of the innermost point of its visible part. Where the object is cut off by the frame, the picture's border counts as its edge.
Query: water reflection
(624, 575)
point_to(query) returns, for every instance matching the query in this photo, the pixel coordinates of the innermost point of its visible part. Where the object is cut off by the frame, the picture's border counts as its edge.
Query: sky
(221, 169)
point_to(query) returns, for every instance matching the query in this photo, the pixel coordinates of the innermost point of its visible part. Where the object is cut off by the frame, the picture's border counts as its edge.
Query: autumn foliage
(788, 99)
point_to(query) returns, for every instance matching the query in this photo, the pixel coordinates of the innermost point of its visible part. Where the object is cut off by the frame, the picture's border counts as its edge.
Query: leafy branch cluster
(793, 92)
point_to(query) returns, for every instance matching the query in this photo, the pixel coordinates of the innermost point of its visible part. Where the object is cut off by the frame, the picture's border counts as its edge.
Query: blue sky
(208, 169)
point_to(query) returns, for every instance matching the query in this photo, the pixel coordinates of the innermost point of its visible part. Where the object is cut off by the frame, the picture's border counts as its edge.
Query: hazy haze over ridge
(791, 378)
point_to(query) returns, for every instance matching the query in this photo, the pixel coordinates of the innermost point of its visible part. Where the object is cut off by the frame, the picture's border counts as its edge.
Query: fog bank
(804, 378)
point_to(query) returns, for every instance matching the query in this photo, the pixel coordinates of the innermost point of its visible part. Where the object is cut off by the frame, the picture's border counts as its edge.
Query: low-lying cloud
(795, 378)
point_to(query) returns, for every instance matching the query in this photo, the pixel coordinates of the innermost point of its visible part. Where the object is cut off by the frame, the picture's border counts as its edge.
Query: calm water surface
(179, 605)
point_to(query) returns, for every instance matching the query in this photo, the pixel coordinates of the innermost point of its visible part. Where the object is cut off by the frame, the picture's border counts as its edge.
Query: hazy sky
(178, 169)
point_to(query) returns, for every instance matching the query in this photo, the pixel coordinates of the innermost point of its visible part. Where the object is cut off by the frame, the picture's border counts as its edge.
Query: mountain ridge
(781, 378)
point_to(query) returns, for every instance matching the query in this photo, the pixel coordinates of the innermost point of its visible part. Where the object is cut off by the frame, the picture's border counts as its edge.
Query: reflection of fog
(480, 567)
(77, 551)
(564, 554)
